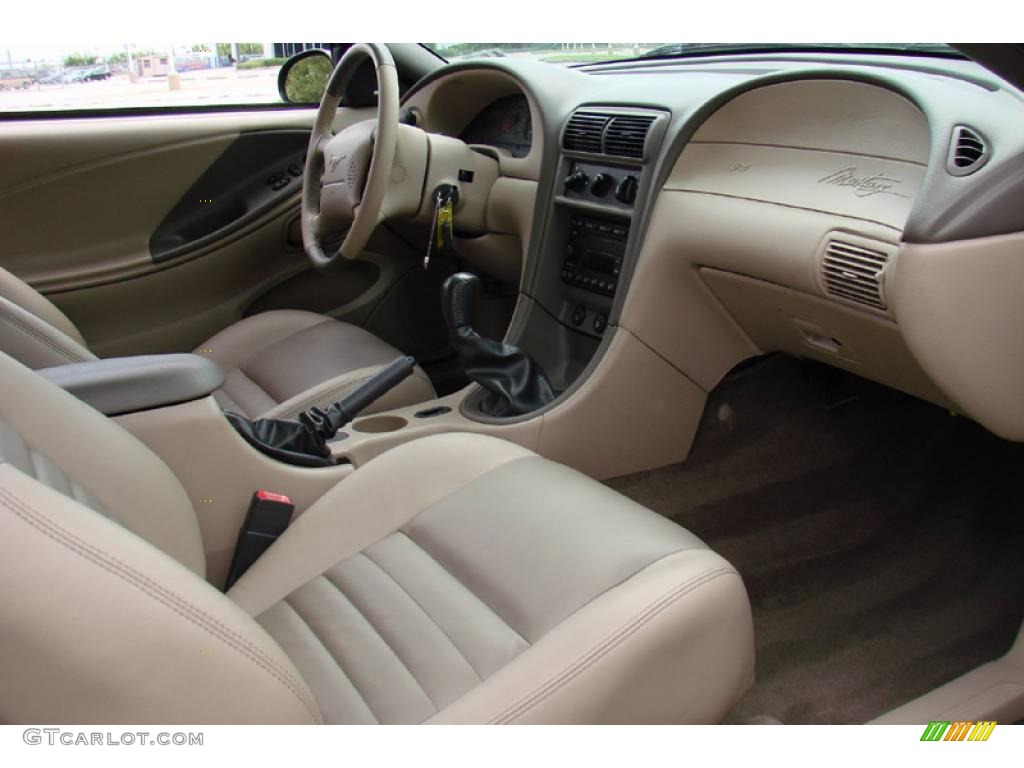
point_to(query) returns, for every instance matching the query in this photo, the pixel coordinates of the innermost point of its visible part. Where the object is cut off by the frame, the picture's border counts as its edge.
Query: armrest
(120, 385)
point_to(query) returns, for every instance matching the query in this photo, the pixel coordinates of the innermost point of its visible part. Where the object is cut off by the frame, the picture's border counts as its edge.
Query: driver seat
(276, 364)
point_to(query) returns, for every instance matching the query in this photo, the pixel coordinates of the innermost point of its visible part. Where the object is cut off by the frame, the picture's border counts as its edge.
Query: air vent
(967, 152)
(854, 272)
(585, 131)
(607, 133)
(626, 135)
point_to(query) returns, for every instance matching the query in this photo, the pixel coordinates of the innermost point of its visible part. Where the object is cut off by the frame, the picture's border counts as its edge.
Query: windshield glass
(575, 54)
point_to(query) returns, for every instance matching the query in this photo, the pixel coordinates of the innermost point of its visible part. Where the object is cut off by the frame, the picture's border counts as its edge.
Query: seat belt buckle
(266, 519)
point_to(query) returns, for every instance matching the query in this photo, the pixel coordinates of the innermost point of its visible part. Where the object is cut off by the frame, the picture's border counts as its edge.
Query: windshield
(575, 54)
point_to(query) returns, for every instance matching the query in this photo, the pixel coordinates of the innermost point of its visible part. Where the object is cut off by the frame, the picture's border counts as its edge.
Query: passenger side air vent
(854, 272)
(585, 131)
(626, 135)
(968, 151)
(608, 133)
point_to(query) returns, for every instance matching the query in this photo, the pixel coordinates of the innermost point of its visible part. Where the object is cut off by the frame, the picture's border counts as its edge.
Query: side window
(134, 76)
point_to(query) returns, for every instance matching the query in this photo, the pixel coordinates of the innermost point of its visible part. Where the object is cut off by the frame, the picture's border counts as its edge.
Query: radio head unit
(593, 253)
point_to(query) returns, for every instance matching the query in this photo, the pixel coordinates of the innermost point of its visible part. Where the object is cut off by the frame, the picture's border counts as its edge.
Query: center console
(577, 276)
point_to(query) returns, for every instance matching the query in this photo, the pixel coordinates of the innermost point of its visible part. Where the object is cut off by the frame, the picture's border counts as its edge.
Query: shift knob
(456, 298)
(513, 381)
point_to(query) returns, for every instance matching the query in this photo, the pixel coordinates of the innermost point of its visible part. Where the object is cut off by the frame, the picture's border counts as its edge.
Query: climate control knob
(576, 182)
(602, 184)
(626, 191)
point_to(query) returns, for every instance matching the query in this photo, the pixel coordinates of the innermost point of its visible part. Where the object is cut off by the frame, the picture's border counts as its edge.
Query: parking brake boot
(304, 442)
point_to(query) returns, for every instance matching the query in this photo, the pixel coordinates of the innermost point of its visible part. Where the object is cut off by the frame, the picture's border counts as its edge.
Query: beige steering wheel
(347, 174)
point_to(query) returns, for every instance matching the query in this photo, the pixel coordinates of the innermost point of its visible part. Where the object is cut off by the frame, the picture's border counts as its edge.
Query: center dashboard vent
(605, 133)
(968, 151)
(854, 272)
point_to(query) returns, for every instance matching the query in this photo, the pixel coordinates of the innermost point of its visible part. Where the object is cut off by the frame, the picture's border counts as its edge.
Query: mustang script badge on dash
(864, 185)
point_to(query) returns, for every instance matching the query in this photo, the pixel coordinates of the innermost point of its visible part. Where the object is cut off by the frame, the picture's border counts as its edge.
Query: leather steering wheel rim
(333, 187)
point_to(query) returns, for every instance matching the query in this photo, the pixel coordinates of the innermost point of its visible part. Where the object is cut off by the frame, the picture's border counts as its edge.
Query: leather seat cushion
(457, 578)
(408, 592)
(279, 363)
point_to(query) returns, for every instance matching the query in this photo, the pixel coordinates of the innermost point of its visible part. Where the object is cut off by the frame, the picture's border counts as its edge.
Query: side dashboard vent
(968, 151)
(854, 273)
(604, 133)
(585, 132)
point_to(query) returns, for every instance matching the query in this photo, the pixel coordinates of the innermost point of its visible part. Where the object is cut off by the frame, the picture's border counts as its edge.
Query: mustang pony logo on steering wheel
(334, 161)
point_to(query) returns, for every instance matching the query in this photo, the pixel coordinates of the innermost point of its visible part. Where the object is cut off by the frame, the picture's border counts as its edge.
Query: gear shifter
(514, 382)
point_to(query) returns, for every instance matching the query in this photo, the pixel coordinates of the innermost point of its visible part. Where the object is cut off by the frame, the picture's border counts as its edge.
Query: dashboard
(506, 124)
(859, 210)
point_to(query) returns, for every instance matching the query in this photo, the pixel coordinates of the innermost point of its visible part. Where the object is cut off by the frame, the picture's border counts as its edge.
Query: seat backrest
(97, 624)
(63, 443)
(33, 330)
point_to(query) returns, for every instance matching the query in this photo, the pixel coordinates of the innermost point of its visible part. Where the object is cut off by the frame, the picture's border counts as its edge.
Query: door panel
(81, 201)
(176, 308)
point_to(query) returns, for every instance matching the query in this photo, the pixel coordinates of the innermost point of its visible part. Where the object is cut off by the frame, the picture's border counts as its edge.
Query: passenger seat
(455, 579)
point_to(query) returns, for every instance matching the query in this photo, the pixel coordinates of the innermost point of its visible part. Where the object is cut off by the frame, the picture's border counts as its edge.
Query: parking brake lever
(304, 442)
(326, 423)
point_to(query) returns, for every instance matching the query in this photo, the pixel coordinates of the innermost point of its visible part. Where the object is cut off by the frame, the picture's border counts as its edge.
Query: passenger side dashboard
(789, 202)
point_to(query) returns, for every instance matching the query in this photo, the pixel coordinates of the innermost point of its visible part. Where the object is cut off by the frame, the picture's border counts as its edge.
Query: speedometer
(505, 123)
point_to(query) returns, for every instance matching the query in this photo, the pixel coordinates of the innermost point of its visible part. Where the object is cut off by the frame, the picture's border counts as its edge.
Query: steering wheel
(347, 174)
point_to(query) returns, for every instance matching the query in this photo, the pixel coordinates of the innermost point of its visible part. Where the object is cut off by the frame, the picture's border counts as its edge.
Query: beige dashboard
(767, 187)
(448, 104)
(779, 225)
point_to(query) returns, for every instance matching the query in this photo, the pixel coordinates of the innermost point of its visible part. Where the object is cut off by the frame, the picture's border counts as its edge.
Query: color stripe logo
(958, 730)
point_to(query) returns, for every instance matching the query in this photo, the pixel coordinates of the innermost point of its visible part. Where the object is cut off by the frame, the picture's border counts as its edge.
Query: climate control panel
(603, 184)
(593, 253)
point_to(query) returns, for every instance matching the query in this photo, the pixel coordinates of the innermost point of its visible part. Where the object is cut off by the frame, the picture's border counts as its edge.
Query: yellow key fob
(445, 219)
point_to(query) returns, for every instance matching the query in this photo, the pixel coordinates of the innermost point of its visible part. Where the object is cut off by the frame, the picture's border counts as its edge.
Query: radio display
(599, 262)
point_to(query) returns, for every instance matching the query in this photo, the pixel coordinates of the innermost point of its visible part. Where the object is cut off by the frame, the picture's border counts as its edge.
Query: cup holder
(378, 424)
